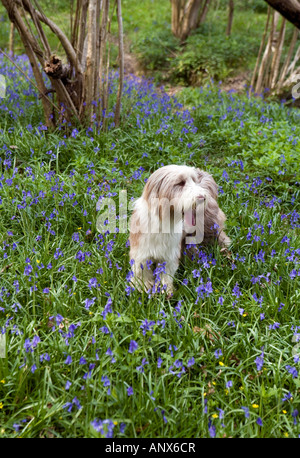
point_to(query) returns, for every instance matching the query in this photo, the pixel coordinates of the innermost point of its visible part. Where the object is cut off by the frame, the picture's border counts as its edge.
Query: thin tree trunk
(265, 63)
(103, 53)
(90, 60)
(121, 66)
(230, 18)
(97, 55)
(204, 12)
(81, 33)
(277, 55)
(262, 43)
(11, 46)
(288, 59)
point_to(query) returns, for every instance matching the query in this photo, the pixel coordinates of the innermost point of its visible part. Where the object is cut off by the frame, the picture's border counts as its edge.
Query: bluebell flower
(259, 421)
(129, 391)
(133, 346)
(292, 370)
(246, 411)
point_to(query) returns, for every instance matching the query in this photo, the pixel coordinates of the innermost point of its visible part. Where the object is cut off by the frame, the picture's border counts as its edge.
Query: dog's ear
(154, 184)
(207, 182)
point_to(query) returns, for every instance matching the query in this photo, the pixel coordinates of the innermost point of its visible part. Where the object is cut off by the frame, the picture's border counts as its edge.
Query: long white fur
(148, 242)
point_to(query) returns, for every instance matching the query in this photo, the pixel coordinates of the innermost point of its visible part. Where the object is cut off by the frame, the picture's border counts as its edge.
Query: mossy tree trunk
(187, 15)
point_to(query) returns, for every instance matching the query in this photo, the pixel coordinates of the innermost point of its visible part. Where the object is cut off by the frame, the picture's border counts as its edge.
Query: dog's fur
(184, 186)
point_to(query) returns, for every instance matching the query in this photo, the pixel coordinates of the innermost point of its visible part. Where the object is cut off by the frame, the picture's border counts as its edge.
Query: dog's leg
(167, 276)
(143, 276)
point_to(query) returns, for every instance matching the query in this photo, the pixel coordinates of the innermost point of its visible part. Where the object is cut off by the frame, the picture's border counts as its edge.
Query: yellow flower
(284, 411)
(286, 434)
(221, 364)
(38, 261)
(215, 415)
(1, 405)
(2, 381)
(255, 406)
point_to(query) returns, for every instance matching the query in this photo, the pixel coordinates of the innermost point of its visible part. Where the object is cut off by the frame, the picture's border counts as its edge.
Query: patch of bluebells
(149, 106)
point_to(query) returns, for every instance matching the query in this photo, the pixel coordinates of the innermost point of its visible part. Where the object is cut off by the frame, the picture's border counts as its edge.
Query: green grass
(68, 313)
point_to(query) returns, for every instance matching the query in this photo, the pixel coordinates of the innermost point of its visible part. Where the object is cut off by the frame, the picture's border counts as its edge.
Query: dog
(177, 201)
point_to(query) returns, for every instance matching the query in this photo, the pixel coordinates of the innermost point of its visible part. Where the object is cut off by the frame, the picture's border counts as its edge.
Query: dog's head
(179, 190)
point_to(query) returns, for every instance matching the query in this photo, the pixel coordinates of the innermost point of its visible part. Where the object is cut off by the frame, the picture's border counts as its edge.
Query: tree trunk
(121, 64)
(270, 72)
(204, 12)
(82, 81)
(289, 9)
(187, 15)
(11, 46)
(230, 18)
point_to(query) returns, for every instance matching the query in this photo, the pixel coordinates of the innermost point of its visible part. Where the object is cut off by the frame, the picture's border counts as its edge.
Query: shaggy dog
(176, 201)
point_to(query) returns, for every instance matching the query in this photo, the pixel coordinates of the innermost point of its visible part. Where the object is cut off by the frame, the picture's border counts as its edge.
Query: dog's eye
(181, 183)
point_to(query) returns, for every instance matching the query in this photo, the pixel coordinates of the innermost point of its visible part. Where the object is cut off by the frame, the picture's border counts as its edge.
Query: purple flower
(89, 302)
(133, 346)
(274, 325)
(141, 367)
(82, 360)
(105, 380)
(191, 362)
(236, 290)
(31, 345)
(147, 326)
(292, 370)
(218, 353)
(104, 427)
(287, 397)
(295, 414)
(107, 308)
(259, 421)
(69, 405)
(211, 429)
(68, 360)
(246, 410)
(259, 361)
(28, 269)
(129, 391)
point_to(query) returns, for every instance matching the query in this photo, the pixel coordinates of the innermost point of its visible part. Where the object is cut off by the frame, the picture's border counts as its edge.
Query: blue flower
(259, 421)
(129, 391)
(133, 346)
(246, 410)
(292, 370)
